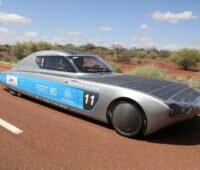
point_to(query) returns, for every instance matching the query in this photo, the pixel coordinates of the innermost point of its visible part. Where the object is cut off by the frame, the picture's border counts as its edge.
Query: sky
(164, 24)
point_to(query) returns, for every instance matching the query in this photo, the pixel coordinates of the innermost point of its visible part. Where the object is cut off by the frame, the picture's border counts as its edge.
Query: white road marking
(10, 127)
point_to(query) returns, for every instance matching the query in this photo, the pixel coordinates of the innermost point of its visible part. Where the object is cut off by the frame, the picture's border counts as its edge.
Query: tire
(127, 119)
(12, 92)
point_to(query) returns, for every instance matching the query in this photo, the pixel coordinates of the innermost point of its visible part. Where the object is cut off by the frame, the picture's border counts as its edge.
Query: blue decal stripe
(57, 92)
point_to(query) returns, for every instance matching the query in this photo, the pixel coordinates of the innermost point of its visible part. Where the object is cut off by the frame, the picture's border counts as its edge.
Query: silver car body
(161, 101)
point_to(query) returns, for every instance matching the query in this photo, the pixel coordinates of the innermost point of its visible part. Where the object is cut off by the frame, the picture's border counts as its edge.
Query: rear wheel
(126, 118)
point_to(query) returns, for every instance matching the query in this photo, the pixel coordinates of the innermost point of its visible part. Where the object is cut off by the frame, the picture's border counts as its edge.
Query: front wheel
(126, 118)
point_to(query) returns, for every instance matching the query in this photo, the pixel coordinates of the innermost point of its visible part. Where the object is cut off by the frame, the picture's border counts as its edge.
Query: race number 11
(90, 100)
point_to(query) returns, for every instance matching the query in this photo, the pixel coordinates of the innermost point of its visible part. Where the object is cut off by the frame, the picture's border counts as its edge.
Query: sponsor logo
(67, 94)
(42, 88)
(53, 91)
(12, 80)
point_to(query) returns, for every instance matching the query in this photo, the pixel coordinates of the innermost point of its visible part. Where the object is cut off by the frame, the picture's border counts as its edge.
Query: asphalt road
(56, 139)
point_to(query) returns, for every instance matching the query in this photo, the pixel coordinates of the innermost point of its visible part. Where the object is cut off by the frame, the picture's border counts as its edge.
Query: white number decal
(87, 97)
(92, 100)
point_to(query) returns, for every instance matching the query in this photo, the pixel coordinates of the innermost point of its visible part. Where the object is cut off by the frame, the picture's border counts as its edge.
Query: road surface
(55, 139)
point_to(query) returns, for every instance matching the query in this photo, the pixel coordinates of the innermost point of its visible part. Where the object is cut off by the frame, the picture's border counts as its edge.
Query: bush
(141, 54)
(164, 54)
(150, 71)
(152, 55)
(21, 50)
(122, 59)
(116, 68)
(186, 58)
(121, 54)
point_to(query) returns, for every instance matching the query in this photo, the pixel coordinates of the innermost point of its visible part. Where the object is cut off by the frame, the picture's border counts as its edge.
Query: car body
(85, 84)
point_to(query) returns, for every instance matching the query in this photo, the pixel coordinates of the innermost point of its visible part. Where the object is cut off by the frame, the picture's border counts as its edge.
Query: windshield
(91, 64)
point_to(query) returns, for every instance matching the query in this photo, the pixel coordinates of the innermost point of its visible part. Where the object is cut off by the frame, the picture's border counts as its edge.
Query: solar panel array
(159, 88)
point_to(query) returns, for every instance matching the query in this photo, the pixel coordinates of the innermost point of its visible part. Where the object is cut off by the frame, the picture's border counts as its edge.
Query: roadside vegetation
(118, 53)
(185, 59)
(151, 71)
(116, 68)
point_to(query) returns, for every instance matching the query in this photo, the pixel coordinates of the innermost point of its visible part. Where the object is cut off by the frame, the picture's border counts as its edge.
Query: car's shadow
(185, 133)
(67, 112)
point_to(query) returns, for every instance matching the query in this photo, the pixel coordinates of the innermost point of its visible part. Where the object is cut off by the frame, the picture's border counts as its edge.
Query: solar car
(86, 84)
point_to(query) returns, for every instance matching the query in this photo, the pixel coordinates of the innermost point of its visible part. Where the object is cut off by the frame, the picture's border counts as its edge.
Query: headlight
(180, 109)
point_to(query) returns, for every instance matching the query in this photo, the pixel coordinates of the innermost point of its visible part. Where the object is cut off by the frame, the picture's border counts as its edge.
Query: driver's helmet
(79, 61)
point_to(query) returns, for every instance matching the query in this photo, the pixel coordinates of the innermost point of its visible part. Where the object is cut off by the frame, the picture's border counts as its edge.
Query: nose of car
(179, 110)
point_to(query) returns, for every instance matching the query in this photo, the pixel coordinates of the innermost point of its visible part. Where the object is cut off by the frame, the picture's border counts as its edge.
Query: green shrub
(21, 50)
(150, 71)
(121, 55)
(164, 54)
(116, 68)
(141, 54)
(186, 58)
(152, 55)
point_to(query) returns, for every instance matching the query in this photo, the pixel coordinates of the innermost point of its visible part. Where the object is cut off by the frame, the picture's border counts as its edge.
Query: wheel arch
(126, 99)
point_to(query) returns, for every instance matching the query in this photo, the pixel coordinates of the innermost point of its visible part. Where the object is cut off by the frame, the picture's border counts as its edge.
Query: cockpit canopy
(66, 62)
(90, 64)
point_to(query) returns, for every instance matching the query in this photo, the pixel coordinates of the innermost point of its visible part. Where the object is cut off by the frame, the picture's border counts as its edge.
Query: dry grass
(151, 71)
